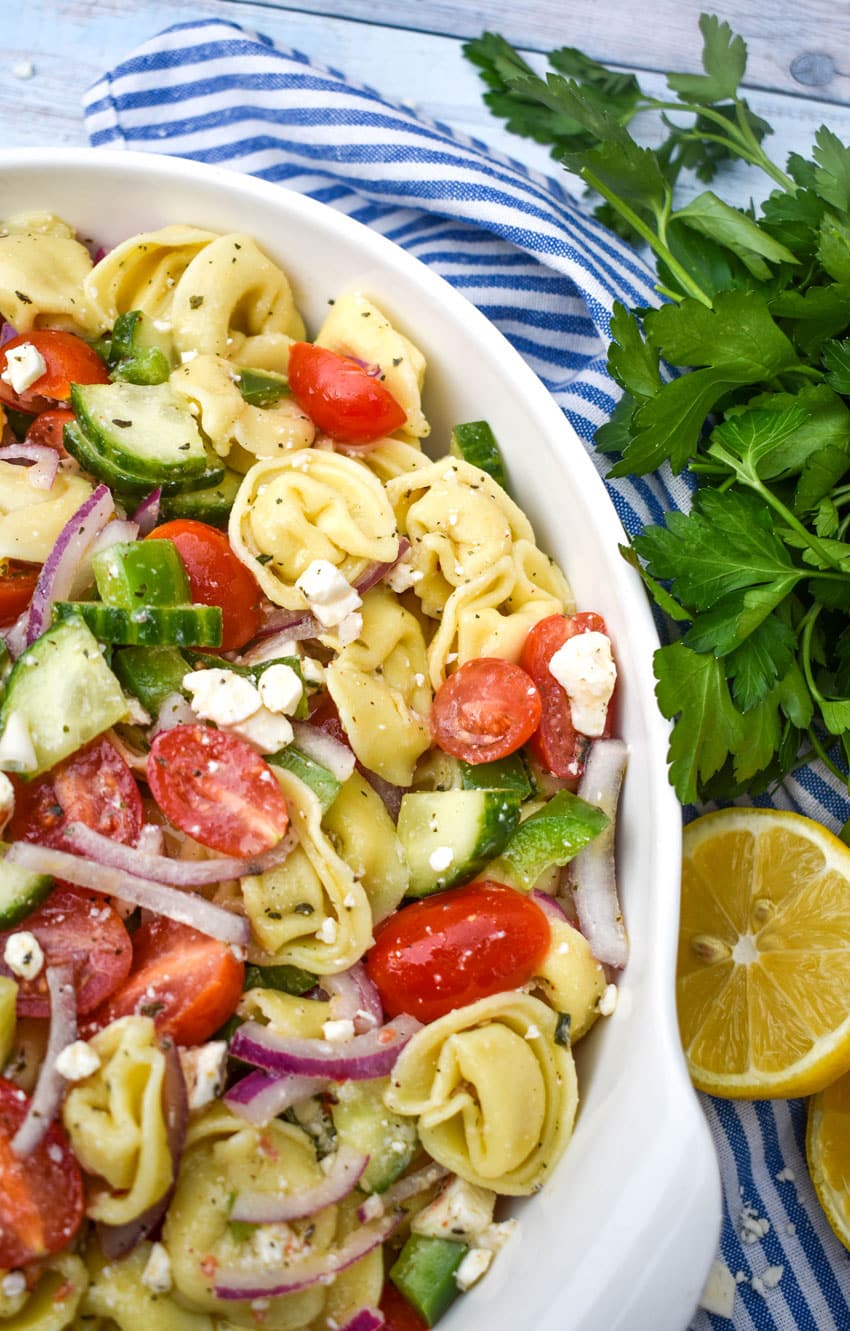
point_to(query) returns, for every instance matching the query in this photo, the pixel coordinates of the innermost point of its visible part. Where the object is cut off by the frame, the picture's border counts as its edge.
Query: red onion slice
(354, 996)
(7, 332)
(390, 794)
(147, 513)
(185, 907)
(45, 462)
(296, 624)
(296, 1275)
(367, 1319)
(47, 1095)
(324, 749)
(160, 869)
(550, 907)
(57, 575)
(260, 1096)
(346, 1168)
(409, 1186)
(358, 1059)
(116, 532)
(376, 573)
(593, 871)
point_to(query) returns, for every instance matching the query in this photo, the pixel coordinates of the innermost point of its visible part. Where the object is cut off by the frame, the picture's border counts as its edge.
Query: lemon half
(828, 1154)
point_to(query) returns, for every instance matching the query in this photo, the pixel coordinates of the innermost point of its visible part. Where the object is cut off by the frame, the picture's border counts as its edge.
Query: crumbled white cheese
(280, 689)
(327, 933)
(266, 730)
(473, 1267)
(460, 1211)
(340, 1030)
(136, 713)
(768, 1279)
(77, 1061)
(752, 1227)
(532, 1032)
(24, 366)
(495, 1236)
(222, 696)
(608, 1000)
(401, 577)
(441, 858)
(7, 800)
(349, 629)
(14, 1284)
(718, 1295)
(786, 1175)
(584, 667)
(162, 325)
(186, 356)
(330, 597)
(157, 1273)
(23, 955)
(17, 753)
(204, 1071)
(23, 69)
(313, 671)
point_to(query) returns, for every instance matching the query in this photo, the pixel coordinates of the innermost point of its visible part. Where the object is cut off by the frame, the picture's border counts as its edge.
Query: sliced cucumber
(440, 771)
(63, 691)
(550, 837)
(8, 1005)
(20, 890)
(210, 504)
(448, 835)
(363, 1121)
(286, 979)
(262, 388)
(323, 783)
(151, 673)
(139, 352)
(476, 443)
(123, 480)
(424, 1272)
(148, 431)
(141, 573)
(149, 626)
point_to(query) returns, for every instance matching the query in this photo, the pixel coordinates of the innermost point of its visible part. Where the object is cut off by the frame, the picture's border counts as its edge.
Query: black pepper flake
(195, 302)
(303, 908)
(562, 1029)
(23, 298)
(122, 425)
(397, 360)
(264, 559)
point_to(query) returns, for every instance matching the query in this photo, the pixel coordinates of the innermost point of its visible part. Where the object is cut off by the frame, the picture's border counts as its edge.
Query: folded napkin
(546, 274)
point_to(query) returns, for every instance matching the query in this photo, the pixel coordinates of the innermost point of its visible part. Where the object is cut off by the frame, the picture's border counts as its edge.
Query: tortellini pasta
(494, 1096)
(53, 1302)
(390, 458)
(117, 1292)
(570, 978)
(364, 834)
(43, 271)
(287, 1014)
(229, 421)
(31, 519)
(380, 689)
(309, 505)
(356, 327)
(143, 272)
(310, 911)
(116, 1122)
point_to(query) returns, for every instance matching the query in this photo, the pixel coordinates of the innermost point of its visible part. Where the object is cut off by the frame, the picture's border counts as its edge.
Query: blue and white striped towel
(547, 275)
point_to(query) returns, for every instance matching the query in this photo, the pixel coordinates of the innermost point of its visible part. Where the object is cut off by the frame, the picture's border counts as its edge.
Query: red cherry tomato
(68, 360)
(398, 1314)
(343, 399)
(217, 577)
(17, 584)
(454, 948)
(487, 709)
(94, 786)
(74, 928)
(48, 427)
(218, 789)
(188, 983)
(41, 1197)
(557, 744)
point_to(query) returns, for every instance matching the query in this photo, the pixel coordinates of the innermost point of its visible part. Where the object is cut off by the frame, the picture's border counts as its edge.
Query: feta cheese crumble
(718, 1295)
(17, 753)
(473, 1267)
(584, 667)
(157, 1273)
(24, 366)
(77, 1061)
(23, 955)
(608, 1000)
(338, 1031)
(14, 1284)
(204, 1072)
(461, 1211)
(280, 689)
(222, 696)
(441, 858)
(330, 597)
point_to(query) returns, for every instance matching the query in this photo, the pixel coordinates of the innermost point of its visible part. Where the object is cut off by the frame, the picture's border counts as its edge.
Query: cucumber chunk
(448, 835)
(151, 673)
(149, 626)
(141, 573)
(123, 479)
(8, 1003)
(323, 783)
(476, 443)
(424, 1272)
(149, 431)
(286, 979)
(440, 771)
(212, 503)
(363, 1121)
(550, 837)
(20, 891)
(262, 388)
(138, 351)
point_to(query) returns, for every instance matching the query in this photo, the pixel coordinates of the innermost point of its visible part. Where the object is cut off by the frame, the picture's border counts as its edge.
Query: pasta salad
(307, 803)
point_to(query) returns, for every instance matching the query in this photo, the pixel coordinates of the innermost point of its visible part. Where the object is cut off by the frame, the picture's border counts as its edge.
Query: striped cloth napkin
(546, 274)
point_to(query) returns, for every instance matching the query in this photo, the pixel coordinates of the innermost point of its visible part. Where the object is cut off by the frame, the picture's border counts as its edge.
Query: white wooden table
(799, 69)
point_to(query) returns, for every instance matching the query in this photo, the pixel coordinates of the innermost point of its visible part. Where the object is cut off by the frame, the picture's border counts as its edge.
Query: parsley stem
(825, 759)
(803, 532)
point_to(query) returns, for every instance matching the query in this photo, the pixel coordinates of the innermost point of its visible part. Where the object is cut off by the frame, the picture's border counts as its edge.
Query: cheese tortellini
(493, 1094)
(43, 272)
(52, 1303)
(116, 1122)
(118, 1293)
(364, 834)
(228, 421)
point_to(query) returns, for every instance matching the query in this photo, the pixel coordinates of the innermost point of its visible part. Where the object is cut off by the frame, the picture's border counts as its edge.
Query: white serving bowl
(623, 1234)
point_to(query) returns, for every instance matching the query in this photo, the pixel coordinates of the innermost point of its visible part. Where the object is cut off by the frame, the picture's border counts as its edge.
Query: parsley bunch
(757, 574)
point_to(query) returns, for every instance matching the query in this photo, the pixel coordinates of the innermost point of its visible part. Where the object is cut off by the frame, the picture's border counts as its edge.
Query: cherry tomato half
(342, 398)
(94, 786)
(41, 1197)
(48, 427)
(216, 577)
(218, 789)
(398, 1313)
(188, 983)
(557, 744)
(79, 929)
(487, 709)
(454, 948)
(17, 584)
(68, 360)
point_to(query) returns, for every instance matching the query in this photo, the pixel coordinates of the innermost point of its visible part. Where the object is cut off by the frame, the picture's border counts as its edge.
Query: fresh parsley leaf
(734, 618)
(766, 439)
(621, 92)
(832, 173)
(834, 247)
(668, 426)
(794, 220)
(692, 691)
(821, 473)
(836, 358)
(631, 359)
(659, 594)
(737, 231)
(738, 331)
(724, 59)
(817, 313)
(616, 434)
(761, 661)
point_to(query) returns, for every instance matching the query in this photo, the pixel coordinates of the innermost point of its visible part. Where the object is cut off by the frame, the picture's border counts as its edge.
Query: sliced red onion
(324, 749)
(358, 1059)
(147, 513)
(294, 624)
(174, 711)
(376, 573)
(370, 367)
(47, 1095)
(45, 462)
(390, 794)
(354, 997)
(185, 907)
(549, 905)
(161, 869)
(367, 1319)
(593, 871)
(57, 575)
(409, 1186)
(7, 332)
(260, 1096)
(345, 1169)
(296, 1275)
(117, 1240)
(116, 532)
